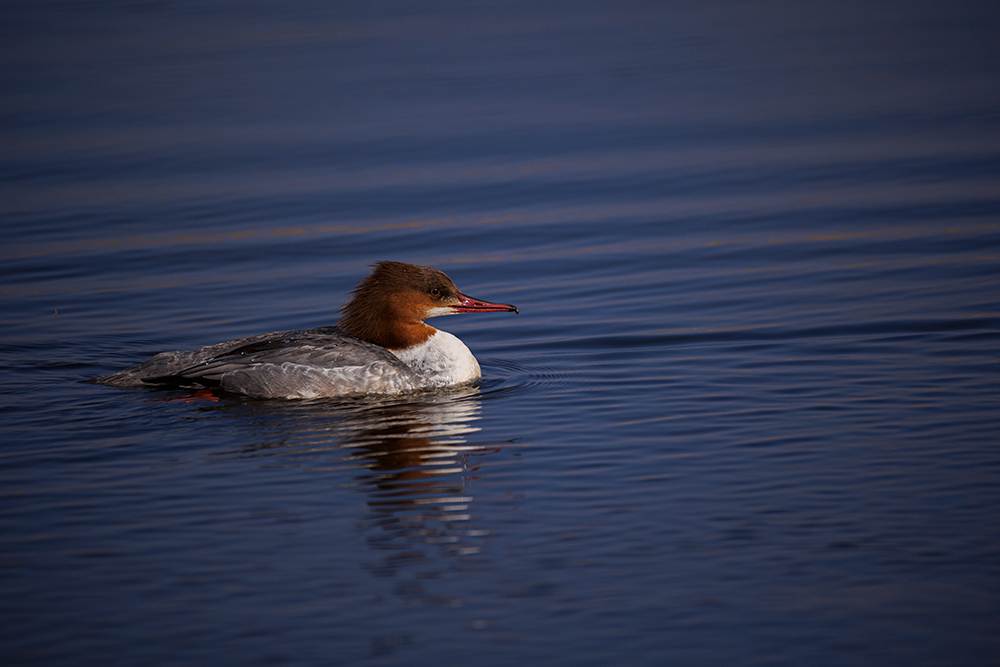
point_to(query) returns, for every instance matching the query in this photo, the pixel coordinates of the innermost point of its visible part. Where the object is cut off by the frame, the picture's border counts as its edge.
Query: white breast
(442, 359)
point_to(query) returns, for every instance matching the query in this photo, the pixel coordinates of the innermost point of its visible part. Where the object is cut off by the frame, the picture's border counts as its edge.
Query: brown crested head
(389, 307)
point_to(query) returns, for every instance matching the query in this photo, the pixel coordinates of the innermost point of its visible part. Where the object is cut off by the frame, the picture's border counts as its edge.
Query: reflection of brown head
(404, 446)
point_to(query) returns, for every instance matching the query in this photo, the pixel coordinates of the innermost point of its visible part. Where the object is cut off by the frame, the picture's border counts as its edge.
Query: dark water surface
(748, 413)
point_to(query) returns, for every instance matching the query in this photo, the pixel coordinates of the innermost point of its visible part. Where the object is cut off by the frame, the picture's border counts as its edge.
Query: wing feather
(289, 364)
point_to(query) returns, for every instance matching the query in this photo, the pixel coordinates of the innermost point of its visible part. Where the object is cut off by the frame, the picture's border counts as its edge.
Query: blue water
(747, 413)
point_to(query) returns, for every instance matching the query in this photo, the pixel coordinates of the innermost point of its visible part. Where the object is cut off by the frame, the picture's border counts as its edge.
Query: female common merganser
(380, 346)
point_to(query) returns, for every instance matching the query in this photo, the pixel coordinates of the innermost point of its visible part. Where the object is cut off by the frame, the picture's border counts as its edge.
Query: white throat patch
(442, 360)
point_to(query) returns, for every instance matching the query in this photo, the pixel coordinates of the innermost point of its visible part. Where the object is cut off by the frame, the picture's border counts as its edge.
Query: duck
(380, 345)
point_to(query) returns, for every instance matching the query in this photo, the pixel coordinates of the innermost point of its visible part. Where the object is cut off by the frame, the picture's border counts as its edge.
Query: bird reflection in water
(418, 468)
(412, 459)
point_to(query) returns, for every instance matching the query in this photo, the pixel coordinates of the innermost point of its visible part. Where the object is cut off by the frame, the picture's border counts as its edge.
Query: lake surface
(747, 415)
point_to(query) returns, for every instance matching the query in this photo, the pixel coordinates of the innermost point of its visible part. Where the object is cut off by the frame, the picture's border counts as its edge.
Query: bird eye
(435, 291)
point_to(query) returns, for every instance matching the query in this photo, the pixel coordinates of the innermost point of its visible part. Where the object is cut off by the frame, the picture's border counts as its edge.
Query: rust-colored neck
(389, 306)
